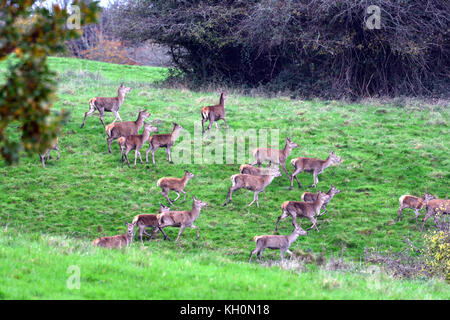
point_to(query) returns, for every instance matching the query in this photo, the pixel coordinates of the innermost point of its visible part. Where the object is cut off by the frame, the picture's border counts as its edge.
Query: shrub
(437, 253)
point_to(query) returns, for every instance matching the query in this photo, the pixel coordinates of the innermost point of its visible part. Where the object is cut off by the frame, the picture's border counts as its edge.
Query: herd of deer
(251, 177)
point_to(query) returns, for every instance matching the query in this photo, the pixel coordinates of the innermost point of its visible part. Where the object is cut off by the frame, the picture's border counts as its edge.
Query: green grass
(387, 150)
(38, 268)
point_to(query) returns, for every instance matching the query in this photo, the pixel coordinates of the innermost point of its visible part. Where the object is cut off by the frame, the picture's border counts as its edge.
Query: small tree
(32, 33)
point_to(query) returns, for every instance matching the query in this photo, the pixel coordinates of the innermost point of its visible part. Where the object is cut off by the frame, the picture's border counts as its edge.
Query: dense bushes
(316, 47)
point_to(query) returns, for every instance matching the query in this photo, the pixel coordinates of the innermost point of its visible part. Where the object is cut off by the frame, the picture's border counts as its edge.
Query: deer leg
(417, 214)
(289, 251)
(255, 198)
(294, 175)
(427, 216)
(140, 157)
(101, 117)
(226, 124)
(178, 195)
(90, 111)
(203, 125)
(59, 153)
(283, 165)
(42, 159)
(179, 234)
(146, 152)
(399, 213)
(126, 156)
(316, 180)
(217, 126)
(135, 157)
(184, 195)
(116, 116)
(283, 216)
(210, 124)
(169, 154)
(251, 255)
(230, 192)
(153, 156)
(162, 231)
(165, 193)
(314, 221)
(198, 233)
(141, 231)
(109, 140)
(282, 251)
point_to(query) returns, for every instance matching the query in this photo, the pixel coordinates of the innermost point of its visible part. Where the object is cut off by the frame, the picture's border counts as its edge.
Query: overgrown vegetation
(313, 47)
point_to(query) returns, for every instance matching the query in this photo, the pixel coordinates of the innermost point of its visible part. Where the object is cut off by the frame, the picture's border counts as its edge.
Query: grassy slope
(38, 269)
(387, 151)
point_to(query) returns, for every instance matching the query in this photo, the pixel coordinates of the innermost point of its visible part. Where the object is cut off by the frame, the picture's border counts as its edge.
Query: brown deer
(435, 207)
(256, 184)
(163, 140)
(255, 171)
(53, 146)
(119, 241)
(312, 165)
(124, 129)
(150, 221)
(135, 142)
(411, 202)
(302, 209)
(174, 184)
(311, 197)
(280, 242)
(214, 113)
(274, 156)
(107, 104)
(182, 219)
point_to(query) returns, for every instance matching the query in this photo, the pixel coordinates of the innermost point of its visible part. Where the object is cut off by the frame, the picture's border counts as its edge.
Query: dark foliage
(314, 47)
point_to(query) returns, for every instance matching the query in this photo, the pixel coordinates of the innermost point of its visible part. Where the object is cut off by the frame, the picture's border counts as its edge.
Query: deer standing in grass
(302, 209)
(124, 129)
(312, 165)
(280, 242)
(214, 113)
(135, 142)
(182, 219)
(107, 104)
(274, 156)
(256, 184)
(311, 197)
(150, 221)
(119, 241)
(53, 146)
(163, 140)
(411, 202)
(435, 207)
(174, 184)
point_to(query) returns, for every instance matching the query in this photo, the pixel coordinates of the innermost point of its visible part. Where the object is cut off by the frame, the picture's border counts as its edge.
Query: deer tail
(293, 162)
(256, 238)
(135, 219)
(205, 113)
(233, 179)
(108, 129)
(96, 242)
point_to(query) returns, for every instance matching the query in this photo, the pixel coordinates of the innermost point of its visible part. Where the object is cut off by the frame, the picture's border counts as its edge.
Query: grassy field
(387, 151)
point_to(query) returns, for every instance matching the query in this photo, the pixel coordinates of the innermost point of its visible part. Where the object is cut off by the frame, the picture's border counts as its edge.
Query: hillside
(387, 151)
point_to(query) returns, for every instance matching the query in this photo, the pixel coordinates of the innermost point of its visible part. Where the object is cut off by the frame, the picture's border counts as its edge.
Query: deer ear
(126, 223)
